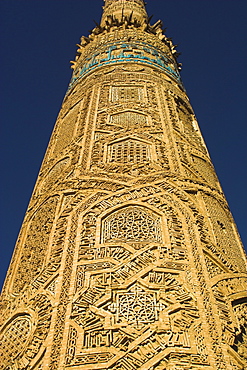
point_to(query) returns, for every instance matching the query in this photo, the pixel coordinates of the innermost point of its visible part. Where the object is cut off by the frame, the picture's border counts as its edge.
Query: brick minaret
(128, 257)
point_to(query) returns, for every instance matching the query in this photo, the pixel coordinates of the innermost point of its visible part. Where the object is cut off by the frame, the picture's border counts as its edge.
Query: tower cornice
(126, 16)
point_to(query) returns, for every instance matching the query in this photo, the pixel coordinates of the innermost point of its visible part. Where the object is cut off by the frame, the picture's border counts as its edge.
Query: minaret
(128, 257)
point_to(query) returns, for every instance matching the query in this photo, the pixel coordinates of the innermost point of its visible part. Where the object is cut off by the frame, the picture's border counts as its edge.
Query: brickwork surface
(128, 257)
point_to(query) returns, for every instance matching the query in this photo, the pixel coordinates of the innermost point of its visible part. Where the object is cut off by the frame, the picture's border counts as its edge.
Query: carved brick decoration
(128, 257)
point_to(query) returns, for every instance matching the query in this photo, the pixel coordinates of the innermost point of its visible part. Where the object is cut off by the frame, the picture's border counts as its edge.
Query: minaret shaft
(128, 257)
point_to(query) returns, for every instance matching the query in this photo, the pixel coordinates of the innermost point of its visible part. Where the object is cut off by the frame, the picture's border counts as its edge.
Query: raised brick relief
(128, 258)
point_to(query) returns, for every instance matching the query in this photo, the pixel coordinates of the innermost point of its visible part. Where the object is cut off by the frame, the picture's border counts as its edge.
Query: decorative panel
(54, 174)
(129, 119)
(129, 151)
(127, 93)
(223, 232)
(66, 128)
(205, 169)
(132, 224)
(35, 246)
(188, 125)
(14, 339)
(240, 313)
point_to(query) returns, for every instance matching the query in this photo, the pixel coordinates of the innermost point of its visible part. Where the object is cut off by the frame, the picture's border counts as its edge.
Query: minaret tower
(128, 257)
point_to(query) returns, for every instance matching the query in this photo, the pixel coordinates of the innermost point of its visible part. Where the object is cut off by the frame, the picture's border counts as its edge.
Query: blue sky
(38, 39)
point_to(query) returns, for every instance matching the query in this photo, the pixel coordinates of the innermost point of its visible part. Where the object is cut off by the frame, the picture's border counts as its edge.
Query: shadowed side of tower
(128, 257)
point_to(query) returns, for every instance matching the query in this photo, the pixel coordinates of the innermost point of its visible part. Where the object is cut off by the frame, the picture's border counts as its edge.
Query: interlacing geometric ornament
(131, 303)
(135, 312)
(22, 338)
(240, 312)
(133, 225)
(13, 339)
(137, 306)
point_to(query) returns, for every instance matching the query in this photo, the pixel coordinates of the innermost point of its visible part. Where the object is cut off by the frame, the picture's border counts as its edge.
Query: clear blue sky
(37, 41)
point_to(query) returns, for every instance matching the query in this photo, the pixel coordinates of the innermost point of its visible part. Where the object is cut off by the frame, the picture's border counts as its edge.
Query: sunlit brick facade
(128, 257)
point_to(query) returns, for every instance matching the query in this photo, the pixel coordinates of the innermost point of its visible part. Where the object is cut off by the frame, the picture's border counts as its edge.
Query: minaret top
(119, 8)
